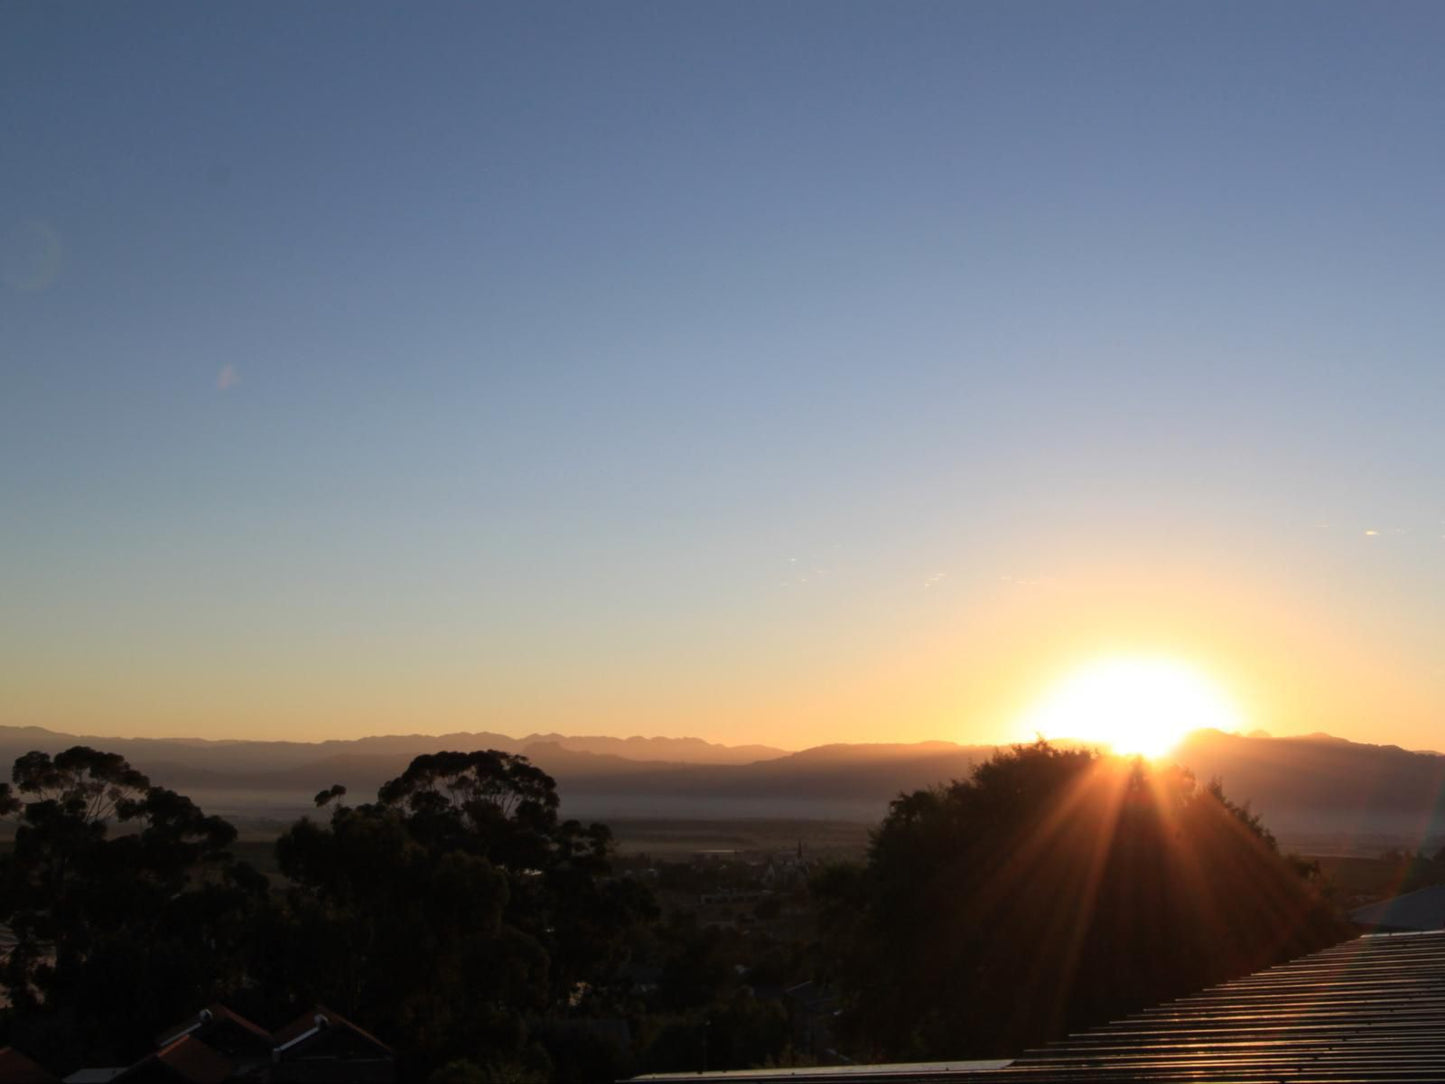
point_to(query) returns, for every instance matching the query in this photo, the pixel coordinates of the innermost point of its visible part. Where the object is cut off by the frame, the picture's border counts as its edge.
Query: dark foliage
(486, 938)
(1053, 890)
(116, 932)
(454, 916)
(455, 912)
(1414, 871)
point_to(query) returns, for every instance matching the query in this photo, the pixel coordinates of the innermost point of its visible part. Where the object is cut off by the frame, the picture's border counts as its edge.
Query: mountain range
(1317, 792)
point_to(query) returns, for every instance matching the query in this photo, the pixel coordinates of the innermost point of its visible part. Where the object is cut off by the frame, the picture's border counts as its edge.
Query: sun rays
(1134, 706)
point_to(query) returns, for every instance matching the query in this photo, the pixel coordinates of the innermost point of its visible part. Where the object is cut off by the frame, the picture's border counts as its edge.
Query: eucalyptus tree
(124, 900)
(456, 909)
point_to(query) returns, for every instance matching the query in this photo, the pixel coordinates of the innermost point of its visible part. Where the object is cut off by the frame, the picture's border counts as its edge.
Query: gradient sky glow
(761, 372)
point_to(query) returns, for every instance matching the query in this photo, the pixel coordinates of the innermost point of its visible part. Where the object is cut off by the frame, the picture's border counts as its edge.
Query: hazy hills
(1320, 792)
(241, 754)
(1320, 787)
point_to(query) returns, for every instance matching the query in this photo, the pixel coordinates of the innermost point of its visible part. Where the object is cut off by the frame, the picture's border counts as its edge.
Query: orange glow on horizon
(1135, 706)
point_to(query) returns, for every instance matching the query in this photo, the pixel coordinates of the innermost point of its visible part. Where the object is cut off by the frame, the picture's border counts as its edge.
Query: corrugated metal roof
(1368, 1010)
(964, 1069)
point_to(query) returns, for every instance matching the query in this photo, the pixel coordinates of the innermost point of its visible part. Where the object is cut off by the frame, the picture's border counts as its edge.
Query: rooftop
(1368, 1010)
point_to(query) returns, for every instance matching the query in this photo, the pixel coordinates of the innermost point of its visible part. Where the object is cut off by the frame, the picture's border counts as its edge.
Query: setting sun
(1134, 706)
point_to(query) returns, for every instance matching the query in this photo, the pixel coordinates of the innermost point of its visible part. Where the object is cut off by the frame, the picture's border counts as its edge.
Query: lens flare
(1135, 706)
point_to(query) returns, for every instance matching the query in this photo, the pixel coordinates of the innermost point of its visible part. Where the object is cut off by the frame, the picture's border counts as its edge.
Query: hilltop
(1316, 791)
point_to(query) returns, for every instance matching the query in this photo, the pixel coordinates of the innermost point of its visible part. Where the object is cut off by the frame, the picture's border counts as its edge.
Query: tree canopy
(1052, 890)
(461, 918)
(452, 914)
(114, 930)
(455, 907)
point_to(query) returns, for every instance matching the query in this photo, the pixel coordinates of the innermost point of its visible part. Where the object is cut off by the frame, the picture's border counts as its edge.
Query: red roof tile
(195, 1061)
(306, 1021)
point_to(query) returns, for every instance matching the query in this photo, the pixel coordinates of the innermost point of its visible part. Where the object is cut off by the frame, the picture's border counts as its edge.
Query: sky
(782, 373)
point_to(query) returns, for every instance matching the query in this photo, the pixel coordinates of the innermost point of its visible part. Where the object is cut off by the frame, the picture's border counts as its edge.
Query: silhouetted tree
(116, 934)
(453, 910)
(1052, 890)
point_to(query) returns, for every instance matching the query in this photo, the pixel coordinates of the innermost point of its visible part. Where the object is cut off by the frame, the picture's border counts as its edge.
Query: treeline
(456, 916)
(460, 919)
(1055, 890)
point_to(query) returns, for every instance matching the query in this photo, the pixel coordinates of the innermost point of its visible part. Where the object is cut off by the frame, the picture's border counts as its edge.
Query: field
(818, 838)
(665, 839)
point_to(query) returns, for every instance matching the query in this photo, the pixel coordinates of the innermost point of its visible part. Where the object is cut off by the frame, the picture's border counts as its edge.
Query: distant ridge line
(1324, 795)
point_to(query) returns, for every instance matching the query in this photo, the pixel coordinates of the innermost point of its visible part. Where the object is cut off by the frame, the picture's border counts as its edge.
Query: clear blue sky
(758, 371)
